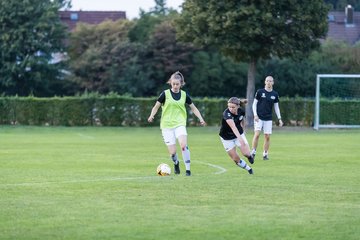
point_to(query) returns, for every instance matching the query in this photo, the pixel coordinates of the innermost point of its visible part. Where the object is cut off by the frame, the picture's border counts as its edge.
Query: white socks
(243, 164)
(253, 152)
(186, 157)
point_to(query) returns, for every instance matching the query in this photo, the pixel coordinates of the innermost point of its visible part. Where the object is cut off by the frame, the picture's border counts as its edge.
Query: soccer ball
(163, 170)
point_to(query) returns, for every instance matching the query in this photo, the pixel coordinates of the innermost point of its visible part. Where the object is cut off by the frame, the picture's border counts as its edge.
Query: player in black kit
(264, 101)
(232, 133)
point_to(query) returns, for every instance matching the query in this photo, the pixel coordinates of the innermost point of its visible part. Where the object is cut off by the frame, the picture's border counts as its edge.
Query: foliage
(251, 30)
(130, 73)
(254, 30)
(142, 69)
(216, 75)
(160, 7)
(297, 77)
(140, 66)
(115, 110)
(105, 59)
(137, 57)
(345, 114)
(95, 49)
(31, 32)
(168, 55)
(143, 27)
(342, 57)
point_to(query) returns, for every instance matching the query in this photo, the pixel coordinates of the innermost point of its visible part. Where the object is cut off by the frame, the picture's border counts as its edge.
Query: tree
(94, 50)
(252, 30)
(145, 73)
(147, 22)
(167, 54)
(30, 32)
(143, 27)
(160, 7)
(215, 75)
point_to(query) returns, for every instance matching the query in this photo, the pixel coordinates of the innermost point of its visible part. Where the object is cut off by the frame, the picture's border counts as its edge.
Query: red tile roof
(339, 30)
(71, 18)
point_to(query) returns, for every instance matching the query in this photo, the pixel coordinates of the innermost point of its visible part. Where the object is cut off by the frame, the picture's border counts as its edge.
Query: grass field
(101, 183)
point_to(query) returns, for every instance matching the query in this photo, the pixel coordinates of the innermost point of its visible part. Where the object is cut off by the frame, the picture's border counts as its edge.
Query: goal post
(344, 88)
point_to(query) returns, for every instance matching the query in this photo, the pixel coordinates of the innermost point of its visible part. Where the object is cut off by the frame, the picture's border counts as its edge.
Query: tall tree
(94, 50)
(160, 7)
(251, 30)
(167, 54)
(30, 32)
(143, 27)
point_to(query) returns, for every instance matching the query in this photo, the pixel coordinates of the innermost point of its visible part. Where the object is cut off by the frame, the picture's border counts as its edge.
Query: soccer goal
(337, 102)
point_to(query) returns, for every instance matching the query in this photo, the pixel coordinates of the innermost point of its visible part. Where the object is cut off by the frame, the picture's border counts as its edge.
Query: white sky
(131, 7)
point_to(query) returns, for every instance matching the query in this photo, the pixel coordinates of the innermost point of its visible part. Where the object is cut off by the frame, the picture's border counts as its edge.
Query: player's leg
(230, 148)
(267, 133)
(245, 149)
(170, 141)
(257, 130)
(266, 146)
(181, 135)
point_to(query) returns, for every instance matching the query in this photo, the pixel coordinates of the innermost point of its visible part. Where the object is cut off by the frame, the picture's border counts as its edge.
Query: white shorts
(230, 144)
(265, 125)
(171, 134)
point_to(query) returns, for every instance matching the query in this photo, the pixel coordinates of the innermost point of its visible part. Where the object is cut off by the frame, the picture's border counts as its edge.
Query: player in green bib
(173, 119)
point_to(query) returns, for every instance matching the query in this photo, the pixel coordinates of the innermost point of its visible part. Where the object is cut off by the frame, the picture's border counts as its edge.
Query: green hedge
(128, 111)
(297, 111)
(337, 112)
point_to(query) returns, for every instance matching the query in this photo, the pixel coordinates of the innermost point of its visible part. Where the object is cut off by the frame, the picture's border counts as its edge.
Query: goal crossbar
(317, 124)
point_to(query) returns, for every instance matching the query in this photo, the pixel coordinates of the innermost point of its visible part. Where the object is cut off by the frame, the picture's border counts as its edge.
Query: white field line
(221, 170)
(85, 136)
(77, 181)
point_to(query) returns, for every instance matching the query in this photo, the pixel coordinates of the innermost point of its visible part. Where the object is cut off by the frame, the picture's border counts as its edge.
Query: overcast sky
(131, 7)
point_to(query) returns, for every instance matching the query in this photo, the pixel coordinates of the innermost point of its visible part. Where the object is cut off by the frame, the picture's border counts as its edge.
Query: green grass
(101, 183)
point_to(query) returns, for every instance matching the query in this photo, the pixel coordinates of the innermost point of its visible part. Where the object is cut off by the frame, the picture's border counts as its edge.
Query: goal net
(337, 102)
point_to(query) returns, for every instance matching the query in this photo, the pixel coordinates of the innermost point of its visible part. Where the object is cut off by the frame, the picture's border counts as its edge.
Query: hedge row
(128, 111)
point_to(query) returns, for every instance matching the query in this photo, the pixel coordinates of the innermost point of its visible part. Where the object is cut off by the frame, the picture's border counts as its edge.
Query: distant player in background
(232, 133)
(173, 119)
(264, 101)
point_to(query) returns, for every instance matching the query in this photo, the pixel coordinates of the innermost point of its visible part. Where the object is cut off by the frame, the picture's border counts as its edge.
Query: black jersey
(175, 96)
(265, 103)
(225, 130)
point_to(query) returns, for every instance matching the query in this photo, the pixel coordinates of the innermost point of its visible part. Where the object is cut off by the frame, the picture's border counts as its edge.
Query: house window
(74, 16)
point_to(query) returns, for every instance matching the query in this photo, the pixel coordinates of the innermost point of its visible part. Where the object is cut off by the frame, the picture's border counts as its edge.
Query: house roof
(339, 30)
(71, 18)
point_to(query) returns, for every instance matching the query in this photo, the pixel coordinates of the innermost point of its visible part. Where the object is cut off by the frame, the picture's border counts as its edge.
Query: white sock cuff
(242, 163)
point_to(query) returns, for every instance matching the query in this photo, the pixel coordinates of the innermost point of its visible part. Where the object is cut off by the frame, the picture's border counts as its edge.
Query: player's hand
(256, 118)
(203, 123)
(242, 141)
(150, 119)
(281, 123)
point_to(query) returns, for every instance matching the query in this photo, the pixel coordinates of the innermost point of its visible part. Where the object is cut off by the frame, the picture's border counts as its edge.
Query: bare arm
(242, 124)
(154, 111)
(197, 113)
(277, 111)
(254, 108)
(233, 127)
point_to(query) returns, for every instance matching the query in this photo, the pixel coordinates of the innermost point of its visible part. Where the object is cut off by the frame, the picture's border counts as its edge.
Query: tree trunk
(250, 92)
